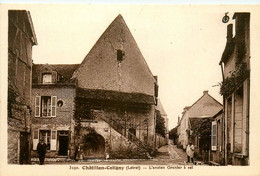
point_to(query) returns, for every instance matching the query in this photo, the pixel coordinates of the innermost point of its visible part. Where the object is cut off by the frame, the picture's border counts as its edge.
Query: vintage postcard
(133, 89)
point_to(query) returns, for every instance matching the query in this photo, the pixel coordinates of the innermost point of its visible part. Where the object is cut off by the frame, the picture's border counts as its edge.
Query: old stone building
(53, 94)
(21, 38)
(235, 88)
(105, 106)
(115, 82)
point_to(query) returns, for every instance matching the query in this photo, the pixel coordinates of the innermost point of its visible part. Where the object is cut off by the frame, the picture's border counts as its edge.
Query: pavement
(166, 155)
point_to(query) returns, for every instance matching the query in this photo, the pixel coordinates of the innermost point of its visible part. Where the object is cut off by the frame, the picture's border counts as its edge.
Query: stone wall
(21, 37)
(160, 141)
(64, 120)
(117, 139)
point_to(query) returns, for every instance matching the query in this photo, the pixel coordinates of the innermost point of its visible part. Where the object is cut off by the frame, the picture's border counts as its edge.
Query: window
(45, 106)
(214, 135)
(120, 55)
(46, 78)
(49, 137)
(46, 136)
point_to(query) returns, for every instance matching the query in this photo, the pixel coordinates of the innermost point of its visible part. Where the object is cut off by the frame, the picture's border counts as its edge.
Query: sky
(182, 44)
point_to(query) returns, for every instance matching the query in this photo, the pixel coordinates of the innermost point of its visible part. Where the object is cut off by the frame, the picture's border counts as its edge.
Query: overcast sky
(181, 44)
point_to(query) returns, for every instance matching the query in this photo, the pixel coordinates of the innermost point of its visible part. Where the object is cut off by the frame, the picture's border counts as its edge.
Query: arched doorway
(94, 146)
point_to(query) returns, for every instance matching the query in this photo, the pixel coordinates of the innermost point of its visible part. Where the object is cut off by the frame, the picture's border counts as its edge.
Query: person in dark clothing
(41, 149)
(77, 152)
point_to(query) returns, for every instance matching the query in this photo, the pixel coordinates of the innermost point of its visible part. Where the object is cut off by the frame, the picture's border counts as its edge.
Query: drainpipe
(225, 118)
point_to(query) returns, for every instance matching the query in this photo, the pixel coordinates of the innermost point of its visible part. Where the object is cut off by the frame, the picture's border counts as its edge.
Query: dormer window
(46, 78)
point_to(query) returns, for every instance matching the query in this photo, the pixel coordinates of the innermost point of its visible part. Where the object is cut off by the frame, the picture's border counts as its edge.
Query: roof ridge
(119, 17)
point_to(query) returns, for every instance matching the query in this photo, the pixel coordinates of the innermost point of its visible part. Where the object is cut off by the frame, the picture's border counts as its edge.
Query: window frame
(39, 106)
(47, 73)
(46, 137)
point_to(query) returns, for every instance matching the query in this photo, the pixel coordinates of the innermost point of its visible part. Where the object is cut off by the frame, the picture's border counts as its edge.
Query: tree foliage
(237, 77)
(160, 124)
(202, 129)
(173, 133)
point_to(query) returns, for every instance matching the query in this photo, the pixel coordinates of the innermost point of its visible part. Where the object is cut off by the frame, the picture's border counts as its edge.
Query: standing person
(77, 152)
(190, 152)
(41, 149)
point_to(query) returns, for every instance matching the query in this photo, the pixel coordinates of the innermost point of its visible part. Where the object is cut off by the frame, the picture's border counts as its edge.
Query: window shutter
(35, 139)
(53, 106)
(214, 136)
(37, 106)
(53, 139)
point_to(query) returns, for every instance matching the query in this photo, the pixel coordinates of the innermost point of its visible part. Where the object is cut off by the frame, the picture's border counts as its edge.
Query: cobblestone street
(166, 155)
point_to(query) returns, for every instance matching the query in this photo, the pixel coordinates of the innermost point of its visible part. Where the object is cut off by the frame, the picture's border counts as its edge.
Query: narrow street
(166, 155)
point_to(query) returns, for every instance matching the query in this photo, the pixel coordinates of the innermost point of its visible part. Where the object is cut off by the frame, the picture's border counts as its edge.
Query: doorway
(94, 146)
(63, 143)
(132, 134)
(24, 148)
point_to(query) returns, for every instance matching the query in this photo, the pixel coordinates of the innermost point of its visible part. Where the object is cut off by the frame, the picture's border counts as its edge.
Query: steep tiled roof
(101, 70)
(205, 106)
(64, 70)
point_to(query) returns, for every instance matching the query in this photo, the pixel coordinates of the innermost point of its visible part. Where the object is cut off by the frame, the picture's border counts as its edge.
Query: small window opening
(120, 55)
(60, 103)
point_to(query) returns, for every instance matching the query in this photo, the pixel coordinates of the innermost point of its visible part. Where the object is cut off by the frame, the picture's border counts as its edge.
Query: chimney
(156, 87)
(205, 92)
(229, 32)
(242, 23)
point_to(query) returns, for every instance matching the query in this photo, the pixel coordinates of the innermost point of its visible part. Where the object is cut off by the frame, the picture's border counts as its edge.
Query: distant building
(205, 107)
(162, 140)
(235, 65)
(21, 38)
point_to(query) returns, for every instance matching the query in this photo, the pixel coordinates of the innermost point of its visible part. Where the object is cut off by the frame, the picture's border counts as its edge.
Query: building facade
(21, 38)
(235, 88)
(217, 154)
(118, 87)
(53, 94)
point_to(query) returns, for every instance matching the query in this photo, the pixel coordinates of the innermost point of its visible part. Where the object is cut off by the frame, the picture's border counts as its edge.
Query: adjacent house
(204, 109)
(53, 94)
(235, 88)
(217, 155)
(105, 106)
(200, 135)
(21, 38)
